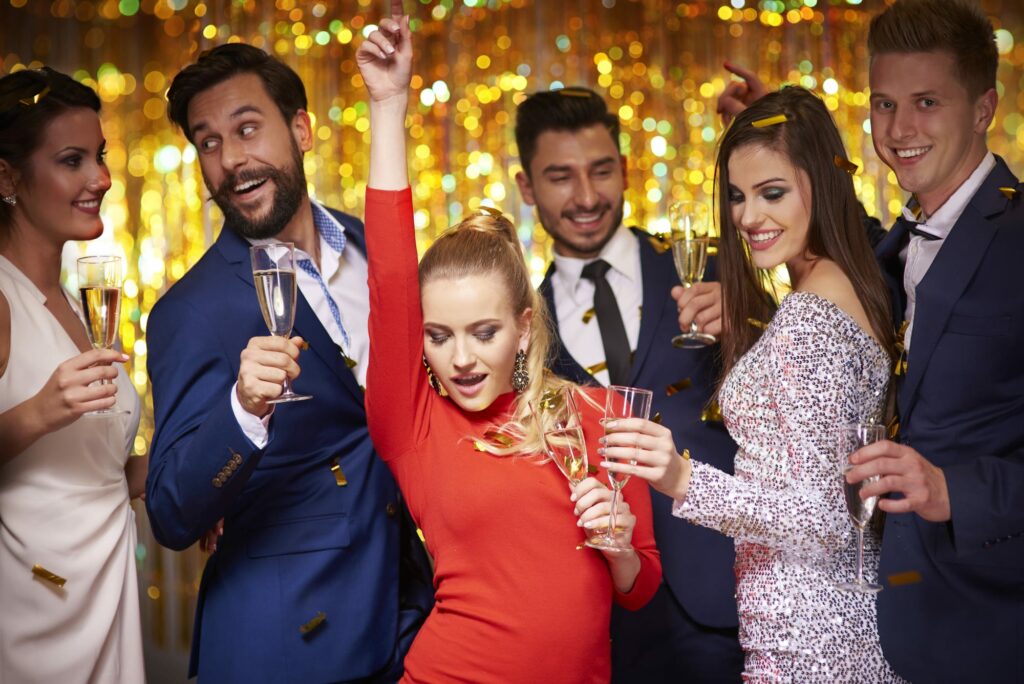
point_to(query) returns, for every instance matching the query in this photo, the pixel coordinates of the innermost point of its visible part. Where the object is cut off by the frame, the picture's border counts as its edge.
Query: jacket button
(217, 481)
(391, 509)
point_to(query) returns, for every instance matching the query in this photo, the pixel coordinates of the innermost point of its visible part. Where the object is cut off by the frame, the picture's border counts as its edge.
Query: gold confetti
(1010, 193)
(42, 573)
(900, 579)
(499, 438)
(712, 413)
(339, 474)
(770, 121)
(661, 243)
(844, 164)
(588, 315)
(760, 325)
(678, 386)
(597, 367)
(657, 418)
(349, 363)
(314, 623)
(685, 454)
(592, 470)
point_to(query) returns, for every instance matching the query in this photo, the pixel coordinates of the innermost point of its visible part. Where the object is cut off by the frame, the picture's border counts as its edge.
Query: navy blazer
(304, 585)
(697, 562)
(953, 605)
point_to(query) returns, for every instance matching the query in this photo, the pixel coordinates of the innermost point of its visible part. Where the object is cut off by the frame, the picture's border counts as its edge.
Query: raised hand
(70, 391)
(739, 95)
(651, 446)
(265, 362)
(385, 57)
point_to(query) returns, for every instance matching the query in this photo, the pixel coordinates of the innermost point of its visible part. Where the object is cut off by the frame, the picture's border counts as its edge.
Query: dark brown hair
(809, 139)
(29, 100)
(568, 109)
(957, 27)
(225, 61)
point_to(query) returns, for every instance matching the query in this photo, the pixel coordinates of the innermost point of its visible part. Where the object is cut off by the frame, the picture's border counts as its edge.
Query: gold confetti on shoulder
(1009, 192)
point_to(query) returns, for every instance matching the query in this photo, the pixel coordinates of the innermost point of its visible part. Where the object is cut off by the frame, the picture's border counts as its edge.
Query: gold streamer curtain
(658, 62)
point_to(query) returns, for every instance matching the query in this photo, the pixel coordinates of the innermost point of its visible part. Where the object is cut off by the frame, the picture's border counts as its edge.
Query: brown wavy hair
(809, 139)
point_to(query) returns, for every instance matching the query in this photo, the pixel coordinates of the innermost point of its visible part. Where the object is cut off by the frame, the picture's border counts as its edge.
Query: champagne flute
(850, 438)
(273, 274)
(559, 423)
(620, 402)
(690, 241)
(99, 290)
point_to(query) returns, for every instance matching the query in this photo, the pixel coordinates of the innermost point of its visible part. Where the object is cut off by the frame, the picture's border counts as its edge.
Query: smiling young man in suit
(305, 582)
(953, 547)
(609, 293)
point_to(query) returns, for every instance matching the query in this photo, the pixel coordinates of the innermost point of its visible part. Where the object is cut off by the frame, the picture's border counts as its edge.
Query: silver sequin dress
(812, 370)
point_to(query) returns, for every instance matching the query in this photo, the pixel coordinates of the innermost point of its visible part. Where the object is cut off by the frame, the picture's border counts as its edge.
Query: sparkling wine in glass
(620, 402)
(273, 274)
(99, 291)
(850, 438)
(690, 223)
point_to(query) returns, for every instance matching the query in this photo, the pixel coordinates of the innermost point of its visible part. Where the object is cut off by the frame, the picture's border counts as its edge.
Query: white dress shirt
(574, 297)
(346, 278)
(920, 252)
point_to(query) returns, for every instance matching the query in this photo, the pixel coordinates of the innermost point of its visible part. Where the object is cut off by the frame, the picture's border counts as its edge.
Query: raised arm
(385, 61)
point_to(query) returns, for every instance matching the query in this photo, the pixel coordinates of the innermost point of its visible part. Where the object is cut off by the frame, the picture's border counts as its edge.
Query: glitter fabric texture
(812, 370)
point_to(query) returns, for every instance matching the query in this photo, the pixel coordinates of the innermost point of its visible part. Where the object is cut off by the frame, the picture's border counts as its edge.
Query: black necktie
(914, 228)
(609, 320)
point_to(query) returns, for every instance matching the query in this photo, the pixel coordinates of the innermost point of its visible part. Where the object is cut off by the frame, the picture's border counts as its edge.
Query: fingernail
(579, 523)
(572, 498)
(611, 424)
(601, 440)
(600, 450)
(124, 357)
(589, 525)
(605, 464)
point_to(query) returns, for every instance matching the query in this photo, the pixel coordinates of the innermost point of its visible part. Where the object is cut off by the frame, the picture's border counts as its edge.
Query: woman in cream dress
(68, 587)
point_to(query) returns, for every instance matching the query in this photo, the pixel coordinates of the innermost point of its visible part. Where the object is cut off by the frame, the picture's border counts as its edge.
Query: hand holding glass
(620, 402)
(273, 274)
(691, 224)
(99, 289)
(850, 438)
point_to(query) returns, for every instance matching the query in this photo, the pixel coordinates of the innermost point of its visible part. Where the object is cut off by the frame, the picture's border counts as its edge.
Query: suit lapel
(949, 275)
(235, 251)
(564, 365)
(658, 277)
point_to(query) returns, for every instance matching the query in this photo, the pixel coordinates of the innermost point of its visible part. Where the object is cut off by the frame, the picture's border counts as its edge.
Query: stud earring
(432, 380)
(520, 377)
(11, 199)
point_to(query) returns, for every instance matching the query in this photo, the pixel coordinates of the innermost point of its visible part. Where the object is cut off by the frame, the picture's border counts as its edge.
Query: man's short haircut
(225, 61)
(956, 27)
(568, 109)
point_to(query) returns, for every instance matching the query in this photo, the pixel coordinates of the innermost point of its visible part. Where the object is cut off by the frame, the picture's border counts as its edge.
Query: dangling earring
(11, 199)
(432, 380)
(520, 378)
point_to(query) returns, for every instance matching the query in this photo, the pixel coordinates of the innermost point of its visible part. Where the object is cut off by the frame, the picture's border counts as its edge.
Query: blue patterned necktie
(334, 237)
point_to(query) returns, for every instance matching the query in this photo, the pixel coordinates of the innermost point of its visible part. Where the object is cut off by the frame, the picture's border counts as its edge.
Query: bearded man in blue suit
(952, 556)
(307, 583)
(609, 294)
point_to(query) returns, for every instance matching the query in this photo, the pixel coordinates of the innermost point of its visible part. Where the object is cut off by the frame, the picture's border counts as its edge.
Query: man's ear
(625, 170)
(302, 130)
(525, 188)
(985, 110)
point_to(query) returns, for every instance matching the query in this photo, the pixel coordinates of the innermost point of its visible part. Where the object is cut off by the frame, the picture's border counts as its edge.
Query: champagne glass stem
(612, 514)
(860, 555)
(286, 386)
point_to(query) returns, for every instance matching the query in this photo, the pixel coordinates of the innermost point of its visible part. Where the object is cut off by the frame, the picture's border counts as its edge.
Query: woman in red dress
(516, 599)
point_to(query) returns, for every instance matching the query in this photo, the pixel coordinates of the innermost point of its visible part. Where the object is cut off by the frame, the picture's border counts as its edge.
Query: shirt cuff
(255, 428)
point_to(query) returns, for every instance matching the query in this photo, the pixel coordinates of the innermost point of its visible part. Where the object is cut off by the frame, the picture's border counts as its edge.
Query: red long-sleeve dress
(516, 601)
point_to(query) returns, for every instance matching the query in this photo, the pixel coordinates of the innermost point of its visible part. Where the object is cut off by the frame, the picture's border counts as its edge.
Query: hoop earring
(520, 377)
(11, 199)
(432, 380)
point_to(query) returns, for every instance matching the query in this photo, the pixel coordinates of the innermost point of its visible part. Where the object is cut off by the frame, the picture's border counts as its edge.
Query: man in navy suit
(609, 294)
(952, 609)
(306, 584)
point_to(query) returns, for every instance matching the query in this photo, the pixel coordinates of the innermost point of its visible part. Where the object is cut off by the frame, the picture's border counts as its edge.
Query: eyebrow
(922, 93)
(79, 150)
(474, 324)
(244, 109)
(563, 168)
(770, 180)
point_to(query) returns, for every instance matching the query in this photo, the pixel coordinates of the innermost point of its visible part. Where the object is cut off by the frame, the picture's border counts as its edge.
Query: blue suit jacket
(697, 562)
(953, 607)
(297, 546)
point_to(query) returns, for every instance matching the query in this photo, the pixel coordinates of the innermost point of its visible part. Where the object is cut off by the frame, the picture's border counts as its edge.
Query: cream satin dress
(64, 506)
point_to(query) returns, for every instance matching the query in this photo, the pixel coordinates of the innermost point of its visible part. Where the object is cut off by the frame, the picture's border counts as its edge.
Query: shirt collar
(942, 221)
(621, 253)
(330, 258)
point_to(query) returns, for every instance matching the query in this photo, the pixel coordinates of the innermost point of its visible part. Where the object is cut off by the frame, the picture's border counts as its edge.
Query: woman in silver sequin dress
(786, 196)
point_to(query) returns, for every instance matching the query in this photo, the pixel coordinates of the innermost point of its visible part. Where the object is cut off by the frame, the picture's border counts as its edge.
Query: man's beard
(578, 245)
(289, 189)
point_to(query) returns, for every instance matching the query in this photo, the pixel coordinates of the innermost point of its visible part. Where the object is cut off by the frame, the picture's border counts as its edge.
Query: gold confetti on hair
(770, 121)
(844, 164)
(760, 325)
(574, 92)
